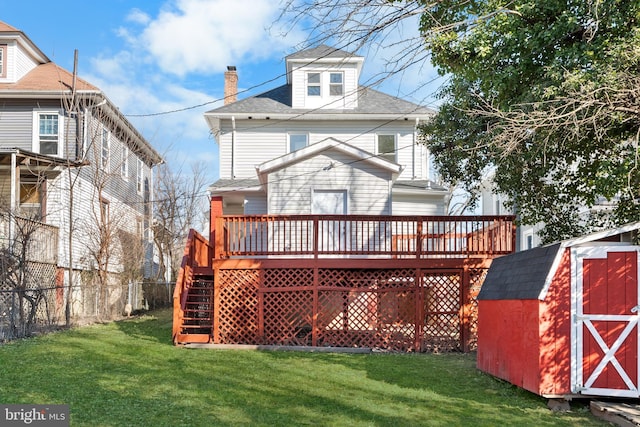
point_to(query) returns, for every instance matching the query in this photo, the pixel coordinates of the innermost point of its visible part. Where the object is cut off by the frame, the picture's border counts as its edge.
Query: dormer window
(3, 65)
(313, 84)
(336, 84)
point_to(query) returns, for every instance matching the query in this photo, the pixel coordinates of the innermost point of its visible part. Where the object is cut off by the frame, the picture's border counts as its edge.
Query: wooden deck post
(214, 213)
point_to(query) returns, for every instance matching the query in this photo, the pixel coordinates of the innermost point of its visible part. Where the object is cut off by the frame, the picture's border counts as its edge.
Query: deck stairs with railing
(193, 296)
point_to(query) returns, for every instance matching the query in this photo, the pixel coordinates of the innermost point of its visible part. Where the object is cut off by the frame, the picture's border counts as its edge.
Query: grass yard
(128, 373)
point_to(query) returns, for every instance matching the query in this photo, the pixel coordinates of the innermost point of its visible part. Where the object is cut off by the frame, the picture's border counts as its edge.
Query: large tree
(543, 96)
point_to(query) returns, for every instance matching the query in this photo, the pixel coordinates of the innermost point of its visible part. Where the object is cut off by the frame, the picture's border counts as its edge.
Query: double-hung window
(297, 141)
(336, 84)
(386, 147)
(104, 148)
(124, 165)
(3, 61)
(47, 138)
(140, 176)
(313, 84)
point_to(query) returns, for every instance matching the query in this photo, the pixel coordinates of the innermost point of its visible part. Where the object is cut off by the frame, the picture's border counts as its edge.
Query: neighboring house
(492, 203)
(527, 237)
(322, 144)
(72, 161)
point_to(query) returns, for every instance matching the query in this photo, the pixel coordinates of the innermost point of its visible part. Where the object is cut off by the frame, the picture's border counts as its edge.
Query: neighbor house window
(140, 177)
(297, 141)
(124, 165)
(47, 138)
(104, 148)
(336, 84)
(313, 84)
(31, 192)
(386, 147)
(3, 63)
(104, 211)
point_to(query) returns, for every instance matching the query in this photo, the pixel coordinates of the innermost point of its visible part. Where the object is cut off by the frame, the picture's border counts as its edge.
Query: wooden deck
(395, 283)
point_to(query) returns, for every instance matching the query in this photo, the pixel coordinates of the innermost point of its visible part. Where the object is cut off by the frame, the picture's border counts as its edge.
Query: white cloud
(204, 36)
(138, 16)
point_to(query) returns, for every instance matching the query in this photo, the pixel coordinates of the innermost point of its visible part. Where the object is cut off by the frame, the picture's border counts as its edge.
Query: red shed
(562, 320)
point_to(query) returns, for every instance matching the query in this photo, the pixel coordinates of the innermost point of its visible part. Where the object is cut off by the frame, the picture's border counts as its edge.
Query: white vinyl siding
(412, 205)
(258, 141)
(22, 65)
(369, 188)
(302, 98)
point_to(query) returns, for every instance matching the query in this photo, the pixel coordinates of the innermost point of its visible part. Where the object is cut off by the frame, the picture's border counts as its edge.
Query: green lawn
(128, 373)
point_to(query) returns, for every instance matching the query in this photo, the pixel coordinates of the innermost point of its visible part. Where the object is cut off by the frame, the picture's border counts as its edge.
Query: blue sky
(157, 56)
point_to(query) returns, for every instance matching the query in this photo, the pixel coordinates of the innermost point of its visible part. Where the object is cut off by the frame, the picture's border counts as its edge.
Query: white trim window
(336, 84)
(47, 132)
(105, 142)
(313, 84)
(140, 176)
(297, 141)
(3, 62)
(386, 147)
(124, 165)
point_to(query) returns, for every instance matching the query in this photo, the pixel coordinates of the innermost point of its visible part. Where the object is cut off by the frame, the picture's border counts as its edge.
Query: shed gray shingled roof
(521, 275)
(278, 101)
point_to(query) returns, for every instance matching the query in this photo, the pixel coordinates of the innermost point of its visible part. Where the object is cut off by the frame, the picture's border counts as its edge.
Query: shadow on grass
(151, 326)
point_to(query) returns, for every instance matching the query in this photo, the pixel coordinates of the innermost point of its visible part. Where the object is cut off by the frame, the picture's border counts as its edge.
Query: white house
(322, 144)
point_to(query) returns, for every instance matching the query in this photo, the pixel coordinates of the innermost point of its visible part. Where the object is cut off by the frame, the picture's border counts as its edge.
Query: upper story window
(313, 84)
(140, 177)
(124, 165)
(297, 141)
(3, 60)
(47, 138)
(336, 84)
(386, 147)
(104, 148)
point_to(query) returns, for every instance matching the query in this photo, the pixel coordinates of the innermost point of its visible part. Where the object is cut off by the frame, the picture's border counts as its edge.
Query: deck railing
(363, 236)
(197, 253)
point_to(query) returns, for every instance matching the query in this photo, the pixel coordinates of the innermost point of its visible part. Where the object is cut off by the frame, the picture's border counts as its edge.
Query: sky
(162, 62)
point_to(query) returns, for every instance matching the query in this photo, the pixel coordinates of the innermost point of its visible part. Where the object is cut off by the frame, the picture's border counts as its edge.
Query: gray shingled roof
(521, 275)
(278, 101)
(322, 51)
(238, 184)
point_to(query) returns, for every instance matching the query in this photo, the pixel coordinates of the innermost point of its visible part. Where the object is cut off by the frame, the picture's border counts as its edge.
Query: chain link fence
(33, 311)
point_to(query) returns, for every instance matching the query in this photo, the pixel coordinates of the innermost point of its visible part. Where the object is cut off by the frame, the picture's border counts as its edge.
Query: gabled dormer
(324, 78)
(18, 54)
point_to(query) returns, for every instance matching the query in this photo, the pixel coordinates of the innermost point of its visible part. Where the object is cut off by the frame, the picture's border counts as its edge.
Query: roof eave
(344, 115)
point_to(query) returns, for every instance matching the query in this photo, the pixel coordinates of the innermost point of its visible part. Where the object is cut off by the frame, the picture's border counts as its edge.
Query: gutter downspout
(233, 147)
(12, 205)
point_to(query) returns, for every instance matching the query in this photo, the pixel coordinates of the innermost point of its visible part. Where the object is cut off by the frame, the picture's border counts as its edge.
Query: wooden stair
(197, 320)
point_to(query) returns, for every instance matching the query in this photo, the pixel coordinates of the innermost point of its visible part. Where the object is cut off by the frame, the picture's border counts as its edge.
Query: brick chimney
(230, 85)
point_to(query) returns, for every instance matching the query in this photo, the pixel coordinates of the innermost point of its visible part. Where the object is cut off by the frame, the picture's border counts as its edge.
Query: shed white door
(605, 311)
(332, 233)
